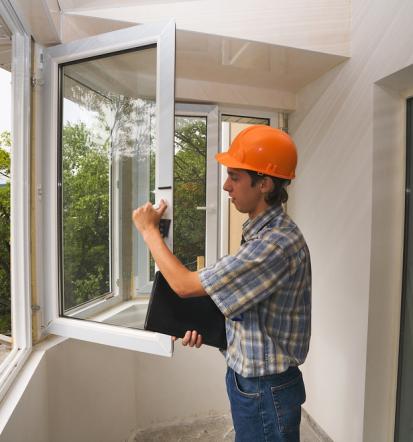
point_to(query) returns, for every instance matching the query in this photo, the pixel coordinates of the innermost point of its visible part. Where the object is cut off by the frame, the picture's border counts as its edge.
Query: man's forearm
(184, 282)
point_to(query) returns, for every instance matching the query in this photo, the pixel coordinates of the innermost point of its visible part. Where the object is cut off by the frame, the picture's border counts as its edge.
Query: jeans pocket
(288, 399)
(247, 387)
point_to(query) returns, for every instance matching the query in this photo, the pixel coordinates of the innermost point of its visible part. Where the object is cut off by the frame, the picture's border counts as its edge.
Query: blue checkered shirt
(264, 291)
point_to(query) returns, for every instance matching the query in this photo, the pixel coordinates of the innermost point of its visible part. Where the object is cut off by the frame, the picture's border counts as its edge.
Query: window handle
(206, 208)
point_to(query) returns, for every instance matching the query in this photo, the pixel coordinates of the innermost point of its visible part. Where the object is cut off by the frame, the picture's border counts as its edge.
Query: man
(264, 291)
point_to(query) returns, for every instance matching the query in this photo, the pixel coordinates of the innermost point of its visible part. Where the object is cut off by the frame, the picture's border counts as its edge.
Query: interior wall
(340, 178)
(24, 410)
(386, 263)
(100, 393)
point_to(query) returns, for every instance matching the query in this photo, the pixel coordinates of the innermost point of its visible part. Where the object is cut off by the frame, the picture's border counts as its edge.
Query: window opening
(231, 126)
(107, 168)
(190, 162)
(5, 187)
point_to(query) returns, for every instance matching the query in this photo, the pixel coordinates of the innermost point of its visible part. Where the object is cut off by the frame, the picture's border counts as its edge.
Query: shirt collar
(253, 226)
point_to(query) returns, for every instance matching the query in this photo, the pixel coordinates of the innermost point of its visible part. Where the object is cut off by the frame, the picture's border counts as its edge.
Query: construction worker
(264, 291)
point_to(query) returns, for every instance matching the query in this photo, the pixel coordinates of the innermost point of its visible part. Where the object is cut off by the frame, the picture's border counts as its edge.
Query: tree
(85, 208)
(189, 189)
(5, 286)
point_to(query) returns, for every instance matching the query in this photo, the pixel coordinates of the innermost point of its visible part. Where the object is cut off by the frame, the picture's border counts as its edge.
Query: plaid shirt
(264, 291)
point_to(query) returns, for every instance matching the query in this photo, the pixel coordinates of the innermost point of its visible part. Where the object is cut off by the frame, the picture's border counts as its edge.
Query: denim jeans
(266, 408)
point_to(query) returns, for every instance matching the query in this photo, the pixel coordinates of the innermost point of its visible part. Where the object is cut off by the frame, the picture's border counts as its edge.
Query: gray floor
(212, 429)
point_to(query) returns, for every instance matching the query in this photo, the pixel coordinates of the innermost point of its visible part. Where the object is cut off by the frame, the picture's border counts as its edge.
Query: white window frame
(163, 35)
(20, 203)
(273, 118)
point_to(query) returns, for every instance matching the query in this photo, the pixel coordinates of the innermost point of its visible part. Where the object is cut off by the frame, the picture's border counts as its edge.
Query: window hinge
(35, 307)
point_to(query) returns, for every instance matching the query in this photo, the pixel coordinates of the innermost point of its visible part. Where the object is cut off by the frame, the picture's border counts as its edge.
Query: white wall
(88, 392)
(24, 410)
(349, 193)
(347, 199)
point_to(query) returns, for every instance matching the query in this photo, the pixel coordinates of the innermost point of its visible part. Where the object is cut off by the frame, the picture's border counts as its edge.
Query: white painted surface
(234, 95)
(318, 25)
(88, 392)
(24, 410)
(349, 193)
(347, 201)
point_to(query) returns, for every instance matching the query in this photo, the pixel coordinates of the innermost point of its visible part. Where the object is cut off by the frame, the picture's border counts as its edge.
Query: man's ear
(267, 184)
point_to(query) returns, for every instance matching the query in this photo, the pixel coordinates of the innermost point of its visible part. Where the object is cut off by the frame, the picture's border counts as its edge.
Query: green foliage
(5, 145)
(5, 287)
(85, 209)
(189, 189)
(85, 167)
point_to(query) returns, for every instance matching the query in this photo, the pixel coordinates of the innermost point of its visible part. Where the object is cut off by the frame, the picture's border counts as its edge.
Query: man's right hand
(191, 338)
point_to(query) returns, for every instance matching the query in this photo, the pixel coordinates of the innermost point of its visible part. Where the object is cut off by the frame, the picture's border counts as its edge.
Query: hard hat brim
(228, 160)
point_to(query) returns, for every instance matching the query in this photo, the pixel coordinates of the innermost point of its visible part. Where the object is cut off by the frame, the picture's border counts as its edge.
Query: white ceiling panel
(234, 61)
(82, 5)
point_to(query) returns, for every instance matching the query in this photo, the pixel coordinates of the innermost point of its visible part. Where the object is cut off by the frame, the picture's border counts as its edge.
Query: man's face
(246, 198)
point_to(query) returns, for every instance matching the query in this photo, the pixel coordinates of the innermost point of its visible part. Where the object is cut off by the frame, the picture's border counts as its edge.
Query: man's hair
(279, 194)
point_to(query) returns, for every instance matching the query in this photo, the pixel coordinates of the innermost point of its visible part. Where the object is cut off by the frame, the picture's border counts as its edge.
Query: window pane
(5, 168)
(231, 126)
(190, 190)
(108, 142)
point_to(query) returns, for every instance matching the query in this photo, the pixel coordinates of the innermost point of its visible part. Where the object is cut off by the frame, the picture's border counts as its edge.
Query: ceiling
(234, 61)
(200, 56)
(82, 5)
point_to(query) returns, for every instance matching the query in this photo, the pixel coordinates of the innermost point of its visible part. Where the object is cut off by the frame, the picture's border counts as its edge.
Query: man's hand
(191, 339)
(147, 218)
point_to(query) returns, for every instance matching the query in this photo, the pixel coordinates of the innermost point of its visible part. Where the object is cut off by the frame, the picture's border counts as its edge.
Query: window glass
(231, 126)
(190, 190)
(107, 168)
(5, 175)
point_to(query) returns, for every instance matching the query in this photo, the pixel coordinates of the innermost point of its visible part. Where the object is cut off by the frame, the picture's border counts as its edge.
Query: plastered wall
(88, 392)
(348, 200)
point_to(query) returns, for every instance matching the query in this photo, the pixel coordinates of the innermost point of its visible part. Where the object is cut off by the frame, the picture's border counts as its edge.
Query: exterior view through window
(190, 190)
(231, 126)
(5, 175)
(107, 163)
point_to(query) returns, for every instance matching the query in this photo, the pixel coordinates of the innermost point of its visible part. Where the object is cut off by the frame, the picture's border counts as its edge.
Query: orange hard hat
(262, 149)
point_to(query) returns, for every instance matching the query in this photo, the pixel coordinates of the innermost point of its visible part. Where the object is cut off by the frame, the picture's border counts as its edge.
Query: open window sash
(79, 62)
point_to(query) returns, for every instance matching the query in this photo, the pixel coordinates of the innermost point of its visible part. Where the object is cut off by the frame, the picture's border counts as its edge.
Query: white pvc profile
(163, 35)
(20, 205)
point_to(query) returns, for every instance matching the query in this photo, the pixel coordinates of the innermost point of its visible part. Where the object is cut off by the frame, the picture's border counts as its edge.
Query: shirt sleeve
(235, 283)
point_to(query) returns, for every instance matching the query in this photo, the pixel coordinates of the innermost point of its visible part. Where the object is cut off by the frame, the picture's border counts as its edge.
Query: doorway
(404, 407)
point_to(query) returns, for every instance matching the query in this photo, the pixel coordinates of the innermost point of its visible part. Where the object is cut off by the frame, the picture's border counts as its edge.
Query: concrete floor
(212, 429)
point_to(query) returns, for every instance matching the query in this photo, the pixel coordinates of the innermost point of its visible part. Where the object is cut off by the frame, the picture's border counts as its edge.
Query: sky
(5, 100)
